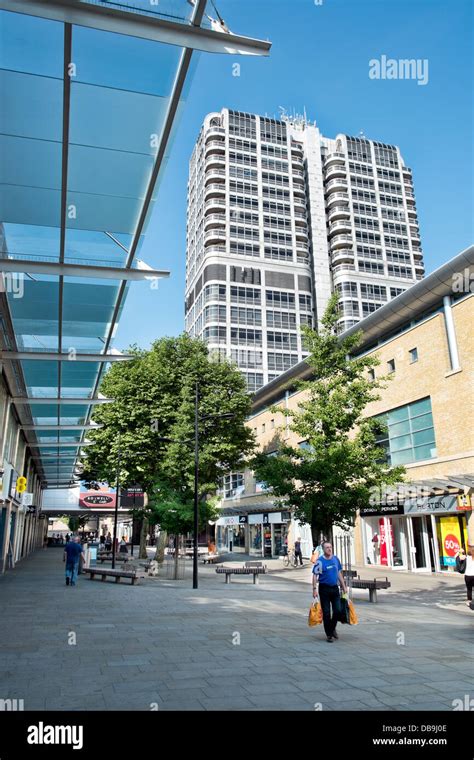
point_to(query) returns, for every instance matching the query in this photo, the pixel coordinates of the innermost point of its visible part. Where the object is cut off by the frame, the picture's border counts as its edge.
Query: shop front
(261, 535)
(420, 534)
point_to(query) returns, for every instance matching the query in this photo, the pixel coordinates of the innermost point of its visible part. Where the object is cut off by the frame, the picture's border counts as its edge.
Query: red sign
(451, 545)
(383, 541)
(97, 499)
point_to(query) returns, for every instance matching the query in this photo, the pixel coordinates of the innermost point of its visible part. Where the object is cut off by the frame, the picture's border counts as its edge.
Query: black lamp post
(195, 440)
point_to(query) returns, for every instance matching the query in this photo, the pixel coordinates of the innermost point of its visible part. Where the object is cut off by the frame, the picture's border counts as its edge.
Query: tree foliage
(332, 476)
(155, 398)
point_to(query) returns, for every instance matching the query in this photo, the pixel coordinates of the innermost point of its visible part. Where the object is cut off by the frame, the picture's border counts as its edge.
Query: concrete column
(450, 333)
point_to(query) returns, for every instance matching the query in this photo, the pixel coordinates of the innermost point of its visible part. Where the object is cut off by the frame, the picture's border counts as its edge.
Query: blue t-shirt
(73, 551)
(328, 570)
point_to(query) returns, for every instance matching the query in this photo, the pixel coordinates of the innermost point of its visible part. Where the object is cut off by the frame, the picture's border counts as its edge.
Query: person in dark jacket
(298, 554)
(465, 565)
(72, 554)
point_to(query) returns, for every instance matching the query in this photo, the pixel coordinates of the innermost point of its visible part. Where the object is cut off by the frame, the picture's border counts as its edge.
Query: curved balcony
(299, 190)
(336, 184)
(302, 234)
(215, 132)
(335, 171)
(217, 249)
(302, 248)
(339, 198)
(215, 146)
(216, 235)
(301, 221)
(215, 159)
(298, 173)
(297, 148)
(344, 225)
(341, 269)
(214, 190)
(340, 241)
(215, 203)
(342, 255)
(300, 202)
(334, 158)
(214, 220)
(338, 212)
(297, 159)
(214, 174)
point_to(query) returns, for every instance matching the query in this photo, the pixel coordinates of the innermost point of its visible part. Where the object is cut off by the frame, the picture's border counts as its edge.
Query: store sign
(255, 519)
(380, 510)
(450, 540)
(94, 499)
(27, 499)
(132, 497)
(243, 519)
(430, 505)
(464, 502)
(231, 520)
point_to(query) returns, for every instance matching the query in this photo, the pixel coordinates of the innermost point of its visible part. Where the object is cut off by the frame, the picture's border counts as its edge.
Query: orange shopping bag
(315, 616)
(353, 619)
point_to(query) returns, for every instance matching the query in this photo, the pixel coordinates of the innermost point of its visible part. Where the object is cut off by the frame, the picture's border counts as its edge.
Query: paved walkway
(237, 647)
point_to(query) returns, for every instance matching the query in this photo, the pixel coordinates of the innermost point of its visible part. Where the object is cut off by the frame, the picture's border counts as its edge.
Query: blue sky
(320, 60)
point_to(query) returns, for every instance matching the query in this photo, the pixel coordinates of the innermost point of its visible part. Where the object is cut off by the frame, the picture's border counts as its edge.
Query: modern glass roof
(84, 134)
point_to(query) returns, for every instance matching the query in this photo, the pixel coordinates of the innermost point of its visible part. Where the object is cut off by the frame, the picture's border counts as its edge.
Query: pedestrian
(108, 542)
(67, 537)
(102, 540)
(72, 553)
(298, 554)
(123, 549)
(327, 573)
(465, 565)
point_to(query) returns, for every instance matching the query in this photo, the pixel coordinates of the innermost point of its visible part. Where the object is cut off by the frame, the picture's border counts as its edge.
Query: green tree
(334, 475)
(155, 398)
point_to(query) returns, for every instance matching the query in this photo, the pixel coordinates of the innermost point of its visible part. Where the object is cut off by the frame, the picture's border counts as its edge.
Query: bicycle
(289, 559)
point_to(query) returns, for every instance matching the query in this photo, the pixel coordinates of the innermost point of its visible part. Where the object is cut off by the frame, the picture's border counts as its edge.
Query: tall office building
(279, 217)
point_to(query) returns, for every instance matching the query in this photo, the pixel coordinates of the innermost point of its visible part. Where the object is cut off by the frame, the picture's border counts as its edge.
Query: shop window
(407, 433)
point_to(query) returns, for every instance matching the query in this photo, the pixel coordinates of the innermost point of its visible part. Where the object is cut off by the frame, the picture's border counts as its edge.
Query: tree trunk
(160, 546)
(143, 534)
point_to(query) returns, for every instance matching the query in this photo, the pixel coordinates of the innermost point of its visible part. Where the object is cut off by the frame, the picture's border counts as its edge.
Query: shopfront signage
(132, 497)
(430, 505)
(243, 519)
(464, 502)
(231, 520)
(94, 499)
(450, 540)
(380, 510)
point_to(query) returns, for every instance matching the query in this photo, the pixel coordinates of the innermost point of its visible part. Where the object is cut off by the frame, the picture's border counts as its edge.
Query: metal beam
(61, 401)
(145, 26)
(80, 270)
(52, 356)
(65, 426)
(60, 445)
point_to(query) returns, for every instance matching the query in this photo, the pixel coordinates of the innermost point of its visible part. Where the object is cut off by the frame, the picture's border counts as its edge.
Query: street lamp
(197, 419)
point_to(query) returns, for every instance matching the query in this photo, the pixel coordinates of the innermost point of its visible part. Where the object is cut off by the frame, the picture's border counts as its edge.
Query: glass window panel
(402, 457)
(30, 44)
(400, 428)
(397, 415)
(420, 407)
(424, 436)
(30, 205)
(35, 163)
(424, 452)
(421, 422)
(32, 242)
(23, 111)
(151, 66)
(402, 442)
(86, 246)
(115, 119)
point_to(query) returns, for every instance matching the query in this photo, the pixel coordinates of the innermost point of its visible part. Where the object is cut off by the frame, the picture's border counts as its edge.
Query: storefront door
(419, 544)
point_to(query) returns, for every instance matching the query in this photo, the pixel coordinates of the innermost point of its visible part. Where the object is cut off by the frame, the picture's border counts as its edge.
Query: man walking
(327, 573)
(298, 554)
(72, 553)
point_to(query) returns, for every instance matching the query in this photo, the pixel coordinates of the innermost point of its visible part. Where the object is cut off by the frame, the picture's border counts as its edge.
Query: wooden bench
(134, 575)
(255, 571)
(372, 586)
